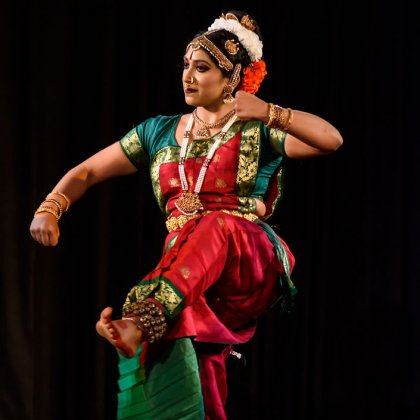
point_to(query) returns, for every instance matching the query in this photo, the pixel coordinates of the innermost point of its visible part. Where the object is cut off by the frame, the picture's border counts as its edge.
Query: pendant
(203, 133)
(189, 203)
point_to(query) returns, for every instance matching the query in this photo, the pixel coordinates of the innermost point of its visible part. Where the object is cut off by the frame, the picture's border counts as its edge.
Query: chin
(190, 101)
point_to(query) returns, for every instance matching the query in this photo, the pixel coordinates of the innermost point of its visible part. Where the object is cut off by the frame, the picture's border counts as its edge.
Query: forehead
(198, 55)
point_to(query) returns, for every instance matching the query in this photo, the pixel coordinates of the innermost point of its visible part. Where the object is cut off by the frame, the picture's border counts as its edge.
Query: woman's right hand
(44, 229)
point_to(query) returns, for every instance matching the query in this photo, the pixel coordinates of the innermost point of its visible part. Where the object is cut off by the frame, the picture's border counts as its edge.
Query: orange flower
(253, 76)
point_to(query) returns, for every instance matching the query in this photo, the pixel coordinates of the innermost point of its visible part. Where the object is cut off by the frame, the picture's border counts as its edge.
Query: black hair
(219, 38)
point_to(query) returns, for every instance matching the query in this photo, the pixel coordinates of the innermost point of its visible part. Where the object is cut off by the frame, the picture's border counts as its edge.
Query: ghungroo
(148, 317)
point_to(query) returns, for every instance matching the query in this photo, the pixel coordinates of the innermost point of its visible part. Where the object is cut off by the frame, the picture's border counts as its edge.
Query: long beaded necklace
(189, 203)
(204, 131)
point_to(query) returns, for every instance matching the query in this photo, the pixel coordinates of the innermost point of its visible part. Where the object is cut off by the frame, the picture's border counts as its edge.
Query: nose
(189, 80)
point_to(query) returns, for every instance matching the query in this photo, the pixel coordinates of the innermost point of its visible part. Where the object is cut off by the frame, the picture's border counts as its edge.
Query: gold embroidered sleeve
(133, 149)
(160, 289)
(248, 160)
(277, 138)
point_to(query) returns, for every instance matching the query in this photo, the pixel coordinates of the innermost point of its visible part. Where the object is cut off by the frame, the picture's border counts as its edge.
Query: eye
(185, 65)
(202, 68)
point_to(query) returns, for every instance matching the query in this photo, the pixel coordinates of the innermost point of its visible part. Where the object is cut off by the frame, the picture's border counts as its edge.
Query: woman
(217, 175)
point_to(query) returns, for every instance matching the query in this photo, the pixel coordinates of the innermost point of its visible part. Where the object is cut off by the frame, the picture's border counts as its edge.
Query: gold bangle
(46, 209)
(276, 118)
(289, 120)
(57, 203)
(279, 117)
(68, 202)
(271, 115)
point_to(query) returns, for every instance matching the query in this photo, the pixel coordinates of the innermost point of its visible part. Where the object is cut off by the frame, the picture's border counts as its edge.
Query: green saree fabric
(168, 388)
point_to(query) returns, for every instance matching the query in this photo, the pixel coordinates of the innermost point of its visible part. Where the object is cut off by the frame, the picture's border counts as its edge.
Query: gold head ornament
(203, 42)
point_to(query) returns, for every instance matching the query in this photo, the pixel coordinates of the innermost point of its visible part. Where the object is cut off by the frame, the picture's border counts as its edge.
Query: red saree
(219, 272)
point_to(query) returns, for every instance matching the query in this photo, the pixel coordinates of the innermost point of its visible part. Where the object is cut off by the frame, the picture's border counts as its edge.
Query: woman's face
(208, 81)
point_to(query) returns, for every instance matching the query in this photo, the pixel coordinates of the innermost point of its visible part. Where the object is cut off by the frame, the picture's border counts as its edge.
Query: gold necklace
(204, 131)
(189, 202)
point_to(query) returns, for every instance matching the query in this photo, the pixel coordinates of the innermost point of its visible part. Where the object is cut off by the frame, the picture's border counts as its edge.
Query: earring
(227, 90)
(233, 82)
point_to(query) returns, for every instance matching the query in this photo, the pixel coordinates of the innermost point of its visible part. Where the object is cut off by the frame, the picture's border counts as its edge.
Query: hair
(219, 37)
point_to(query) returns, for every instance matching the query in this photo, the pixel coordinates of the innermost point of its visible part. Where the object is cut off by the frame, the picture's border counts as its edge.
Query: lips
(189, 90)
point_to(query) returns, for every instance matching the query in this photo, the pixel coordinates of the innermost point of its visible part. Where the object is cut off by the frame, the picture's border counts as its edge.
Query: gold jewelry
(243, 30)
(229, 15)
(232, 47)
(178, 222)
(136, 320)
(191, 81)
(233, 82)
(271, 115)
(57, 203)
(203, 42)
(189, 202)
(67, 200)
(46, 209)
(148, 317)
(289, 120)
(204, 131)
(247, 22)
(279, 117)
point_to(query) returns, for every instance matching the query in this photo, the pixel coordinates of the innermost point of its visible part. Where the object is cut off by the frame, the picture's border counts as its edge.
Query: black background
(76, 76)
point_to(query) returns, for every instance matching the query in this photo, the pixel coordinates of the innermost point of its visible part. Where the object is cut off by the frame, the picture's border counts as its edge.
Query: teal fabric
(269, 163)
(288, 290)
(167, 389)
(142, 143)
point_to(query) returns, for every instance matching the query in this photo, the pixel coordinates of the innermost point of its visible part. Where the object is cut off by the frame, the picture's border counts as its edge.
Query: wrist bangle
(67, 200)
(289, 120)
(271, 115)
(57, 203)
(279, 117)
(45, 209)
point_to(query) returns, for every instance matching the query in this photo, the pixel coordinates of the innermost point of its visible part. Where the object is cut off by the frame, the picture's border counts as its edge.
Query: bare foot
(122, 334)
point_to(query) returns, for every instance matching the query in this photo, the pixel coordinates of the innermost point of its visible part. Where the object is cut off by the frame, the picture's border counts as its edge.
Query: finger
(53, 238)
(44, 239)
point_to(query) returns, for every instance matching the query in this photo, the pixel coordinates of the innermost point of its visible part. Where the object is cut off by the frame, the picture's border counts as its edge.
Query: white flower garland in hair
(250, 40)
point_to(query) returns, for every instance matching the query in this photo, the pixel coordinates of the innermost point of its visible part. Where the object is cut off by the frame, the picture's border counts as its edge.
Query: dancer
(217, 174)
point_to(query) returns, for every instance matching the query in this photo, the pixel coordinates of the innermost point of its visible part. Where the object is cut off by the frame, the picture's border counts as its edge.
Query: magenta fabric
(225, 268)
(214, 383)
(219, 189)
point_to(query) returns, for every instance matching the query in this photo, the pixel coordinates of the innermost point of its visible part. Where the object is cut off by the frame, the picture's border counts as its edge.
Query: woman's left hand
(250, 107)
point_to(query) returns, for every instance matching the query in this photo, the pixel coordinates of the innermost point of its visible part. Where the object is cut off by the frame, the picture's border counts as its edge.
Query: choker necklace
(204, 131)
(189, 203)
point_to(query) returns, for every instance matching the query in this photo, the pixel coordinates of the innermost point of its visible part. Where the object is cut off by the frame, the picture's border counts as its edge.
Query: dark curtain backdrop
(76, 76)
